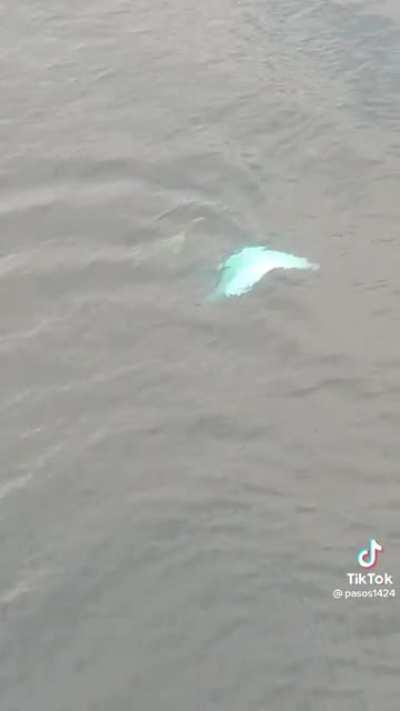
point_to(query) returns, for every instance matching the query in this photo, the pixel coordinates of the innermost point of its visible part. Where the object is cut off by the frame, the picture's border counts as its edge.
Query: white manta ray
(242, 270)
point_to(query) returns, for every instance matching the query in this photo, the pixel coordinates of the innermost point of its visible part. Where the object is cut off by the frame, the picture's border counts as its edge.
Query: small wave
(10, 487)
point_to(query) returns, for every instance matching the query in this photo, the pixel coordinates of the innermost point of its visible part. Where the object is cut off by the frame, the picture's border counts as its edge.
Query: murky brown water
(183, 485)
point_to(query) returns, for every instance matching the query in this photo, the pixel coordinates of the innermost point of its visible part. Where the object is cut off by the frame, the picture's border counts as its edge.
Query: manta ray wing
(242, 270)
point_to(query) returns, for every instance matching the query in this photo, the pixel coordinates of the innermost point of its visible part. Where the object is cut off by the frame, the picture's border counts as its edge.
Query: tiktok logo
(368, 557)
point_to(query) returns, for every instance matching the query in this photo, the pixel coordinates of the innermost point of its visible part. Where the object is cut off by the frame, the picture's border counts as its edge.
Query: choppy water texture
(182, 488)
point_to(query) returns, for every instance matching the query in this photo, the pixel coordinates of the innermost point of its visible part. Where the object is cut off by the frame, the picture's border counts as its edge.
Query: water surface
(184, 485)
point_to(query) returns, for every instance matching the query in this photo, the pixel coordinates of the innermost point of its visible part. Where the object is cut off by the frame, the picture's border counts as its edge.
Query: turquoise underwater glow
(242, 270)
